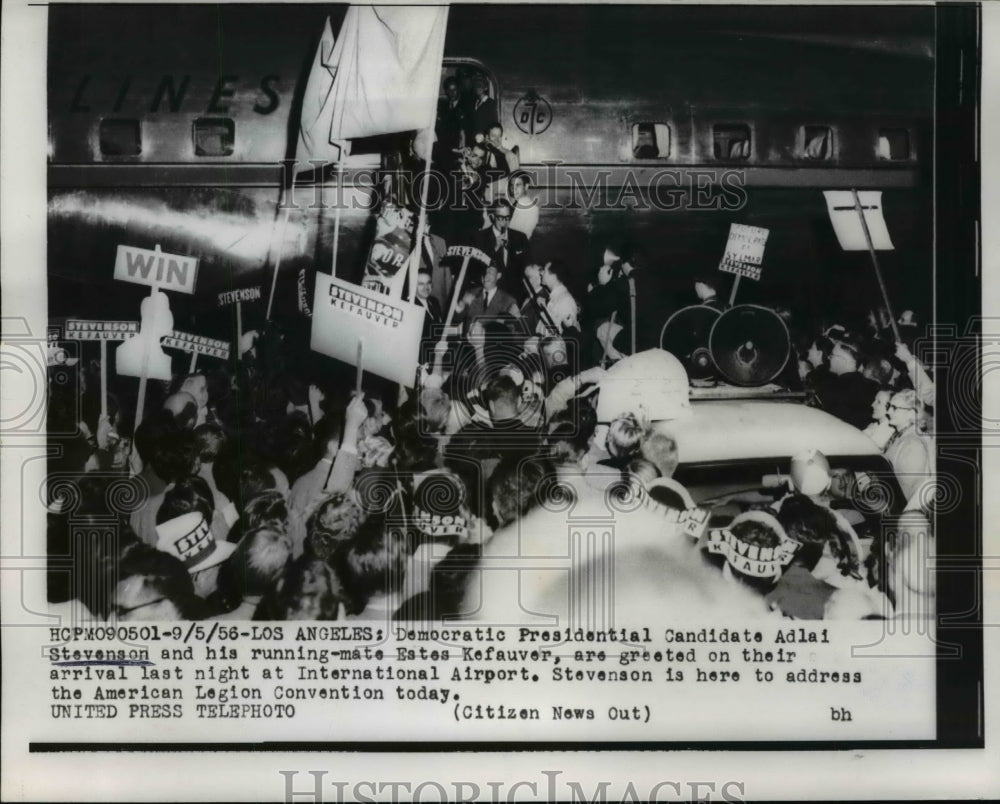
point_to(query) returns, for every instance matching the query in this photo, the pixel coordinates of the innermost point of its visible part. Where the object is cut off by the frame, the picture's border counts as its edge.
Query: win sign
(156, 268)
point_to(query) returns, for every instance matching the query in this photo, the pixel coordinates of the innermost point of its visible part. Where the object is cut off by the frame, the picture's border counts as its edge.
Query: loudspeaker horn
(685, 335)
(749, 345)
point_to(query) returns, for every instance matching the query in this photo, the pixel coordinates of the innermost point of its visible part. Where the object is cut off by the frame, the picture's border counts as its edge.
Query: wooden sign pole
(631, 301)
(336, 214)
(277, 262)
(421, 221)
(239, 329)
(736, 287)
(458, 290)
(104, 378)
(878, 271)
(360, 366)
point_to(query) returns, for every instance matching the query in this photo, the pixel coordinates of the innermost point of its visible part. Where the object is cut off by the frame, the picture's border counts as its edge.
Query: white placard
(344, 313)
(79, 330)
(156, 268)
(847, 225)
(197, 344)
(468, 251)
(240, 295)
(744, 251)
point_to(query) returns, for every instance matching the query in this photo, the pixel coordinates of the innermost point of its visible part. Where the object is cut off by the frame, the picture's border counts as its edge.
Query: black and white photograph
(578, 377)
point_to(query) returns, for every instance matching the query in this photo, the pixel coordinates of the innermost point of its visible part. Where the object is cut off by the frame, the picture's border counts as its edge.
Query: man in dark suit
(489, 301)
(433, 317)
(425, 299)
(506, 248)
(450, 126)
(481, 112)
(845, 391)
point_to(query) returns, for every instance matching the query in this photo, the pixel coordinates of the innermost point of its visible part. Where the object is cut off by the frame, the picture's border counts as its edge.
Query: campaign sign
(438, 502)
(468, 251)
(690, 522)
(56, 353)
(751, 559)
(243, 295)
(744, 251)
(390, 253)
(302, 290)
(156, 268)
(79, 330)
(847, 223)
(196, 344)
(344, 313)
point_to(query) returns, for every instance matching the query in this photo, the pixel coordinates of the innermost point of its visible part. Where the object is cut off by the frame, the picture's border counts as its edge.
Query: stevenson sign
(344, 313)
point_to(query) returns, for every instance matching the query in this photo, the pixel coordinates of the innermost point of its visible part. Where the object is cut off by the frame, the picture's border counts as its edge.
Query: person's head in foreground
(756, 549)
(153, 585)
(308, 590)
(189, 538)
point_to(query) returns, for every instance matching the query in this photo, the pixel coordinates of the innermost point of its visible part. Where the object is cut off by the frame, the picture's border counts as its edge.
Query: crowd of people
(270, 493)
(266, 489)
(877, 384)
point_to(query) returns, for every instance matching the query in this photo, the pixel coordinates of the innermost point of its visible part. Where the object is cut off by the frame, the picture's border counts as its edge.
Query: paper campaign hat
(189, 537)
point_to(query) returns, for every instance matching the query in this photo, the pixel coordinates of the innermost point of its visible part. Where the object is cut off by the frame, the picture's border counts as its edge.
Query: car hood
(727, 431)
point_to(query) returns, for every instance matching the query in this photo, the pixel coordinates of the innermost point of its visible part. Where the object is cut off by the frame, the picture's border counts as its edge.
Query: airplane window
(893, 143)
(731, 141)
(650, 140)
(214, 136)
(817, 142)
(121, 137)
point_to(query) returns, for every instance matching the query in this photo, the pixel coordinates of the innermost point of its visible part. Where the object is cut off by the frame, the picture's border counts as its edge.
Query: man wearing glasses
(908, 451)
(507, 248)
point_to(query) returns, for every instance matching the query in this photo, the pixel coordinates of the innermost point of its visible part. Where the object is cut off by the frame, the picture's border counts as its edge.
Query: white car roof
(725, 430)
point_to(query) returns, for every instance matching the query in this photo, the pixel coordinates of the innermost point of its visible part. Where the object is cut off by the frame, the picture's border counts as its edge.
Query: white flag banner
(388, 70)
(847, 223)
(316, 121)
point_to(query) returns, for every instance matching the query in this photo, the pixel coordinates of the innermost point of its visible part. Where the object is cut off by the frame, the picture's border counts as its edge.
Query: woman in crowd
(879, 430)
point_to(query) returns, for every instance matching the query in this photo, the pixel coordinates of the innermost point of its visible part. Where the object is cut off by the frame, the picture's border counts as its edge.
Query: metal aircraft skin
(756, 110)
